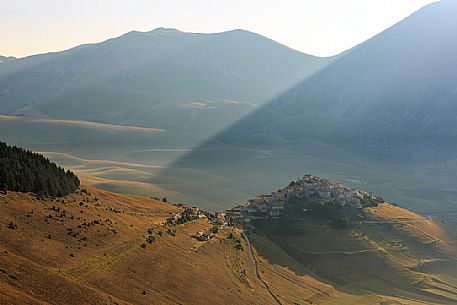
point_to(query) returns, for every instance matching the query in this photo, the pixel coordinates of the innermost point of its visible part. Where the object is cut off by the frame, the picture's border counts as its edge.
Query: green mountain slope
(164, 78)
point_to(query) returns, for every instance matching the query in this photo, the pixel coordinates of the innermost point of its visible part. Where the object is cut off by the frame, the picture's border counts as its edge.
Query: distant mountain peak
(239, 31)
(163, 30)
(4, 59)
(158, 31)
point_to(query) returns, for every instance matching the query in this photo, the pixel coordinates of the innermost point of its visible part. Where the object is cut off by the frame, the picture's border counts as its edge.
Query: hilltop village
(324, 191)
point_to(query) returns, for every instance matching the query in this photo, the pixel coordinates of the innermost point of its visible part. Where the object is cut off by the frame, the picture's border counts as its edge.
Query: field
(215, 175)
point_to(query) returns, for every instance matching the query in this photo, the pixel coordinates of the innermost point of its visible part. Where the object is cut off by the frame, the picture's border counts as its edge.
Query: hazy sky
(318, 27)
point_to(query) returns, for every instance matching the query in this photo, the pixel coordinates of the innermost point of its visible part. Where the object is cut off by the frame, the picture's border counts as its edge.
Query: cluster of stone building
(271, 206)
(196, 212)
(217, 218)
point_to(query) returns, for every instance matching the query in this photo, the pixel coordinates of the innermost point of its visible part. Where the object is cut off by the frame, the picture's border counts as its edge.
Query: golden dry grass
(80, 123)
(104, 263)
(392, 256)
(44, 262)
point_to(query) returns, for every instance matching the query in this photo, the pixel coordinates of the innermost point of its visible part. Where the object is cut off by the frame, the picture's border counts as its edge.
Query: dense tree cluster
(25, 171)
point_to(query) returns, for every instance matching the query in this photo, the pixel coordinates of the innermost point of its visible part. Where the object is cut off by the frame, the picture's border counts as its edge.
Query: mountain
(399, 84)
(404, 78)
(380, 116)
(5, 59)
(164, 78)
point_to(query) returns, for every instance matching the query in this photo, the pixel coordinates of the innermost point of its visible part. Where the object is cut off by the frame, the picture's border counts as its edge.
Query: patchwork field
(216, 175)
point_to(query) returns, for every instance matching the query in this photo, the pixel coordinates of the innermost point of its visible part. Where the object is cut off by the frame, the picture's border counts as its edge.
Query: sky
(317, 27)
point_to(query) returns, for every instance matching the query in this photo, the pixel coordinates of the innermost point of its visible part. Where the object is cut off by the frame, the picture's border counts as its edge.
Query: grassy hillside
(396, 254)
(105, 262)
(89, 245)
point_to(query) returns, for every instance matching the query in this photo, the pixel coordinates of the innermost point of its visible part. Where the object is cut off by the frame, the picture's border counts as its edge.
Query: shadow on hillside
(355, 276)
(271, 146)
(223, 166)
(255, 156)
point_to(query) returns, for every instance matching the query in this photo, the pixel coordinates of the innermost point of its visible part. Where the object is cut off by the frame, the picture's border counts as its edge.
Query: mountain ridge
(5, 59)
(158, 72)
(415, 50)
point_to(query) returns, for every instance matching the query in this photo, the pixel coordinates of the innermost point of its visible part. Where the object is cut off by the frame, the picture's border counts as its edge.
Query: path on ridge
(256, 267)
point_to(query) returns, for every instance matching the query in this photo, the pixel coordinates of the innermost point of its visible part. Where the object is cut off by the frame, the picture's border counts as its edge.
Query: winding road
(256, 267)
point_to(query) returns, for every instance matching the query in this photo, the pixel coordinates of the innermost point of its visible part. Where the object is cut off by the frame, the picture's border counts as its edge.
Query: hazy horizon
(322, 29)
